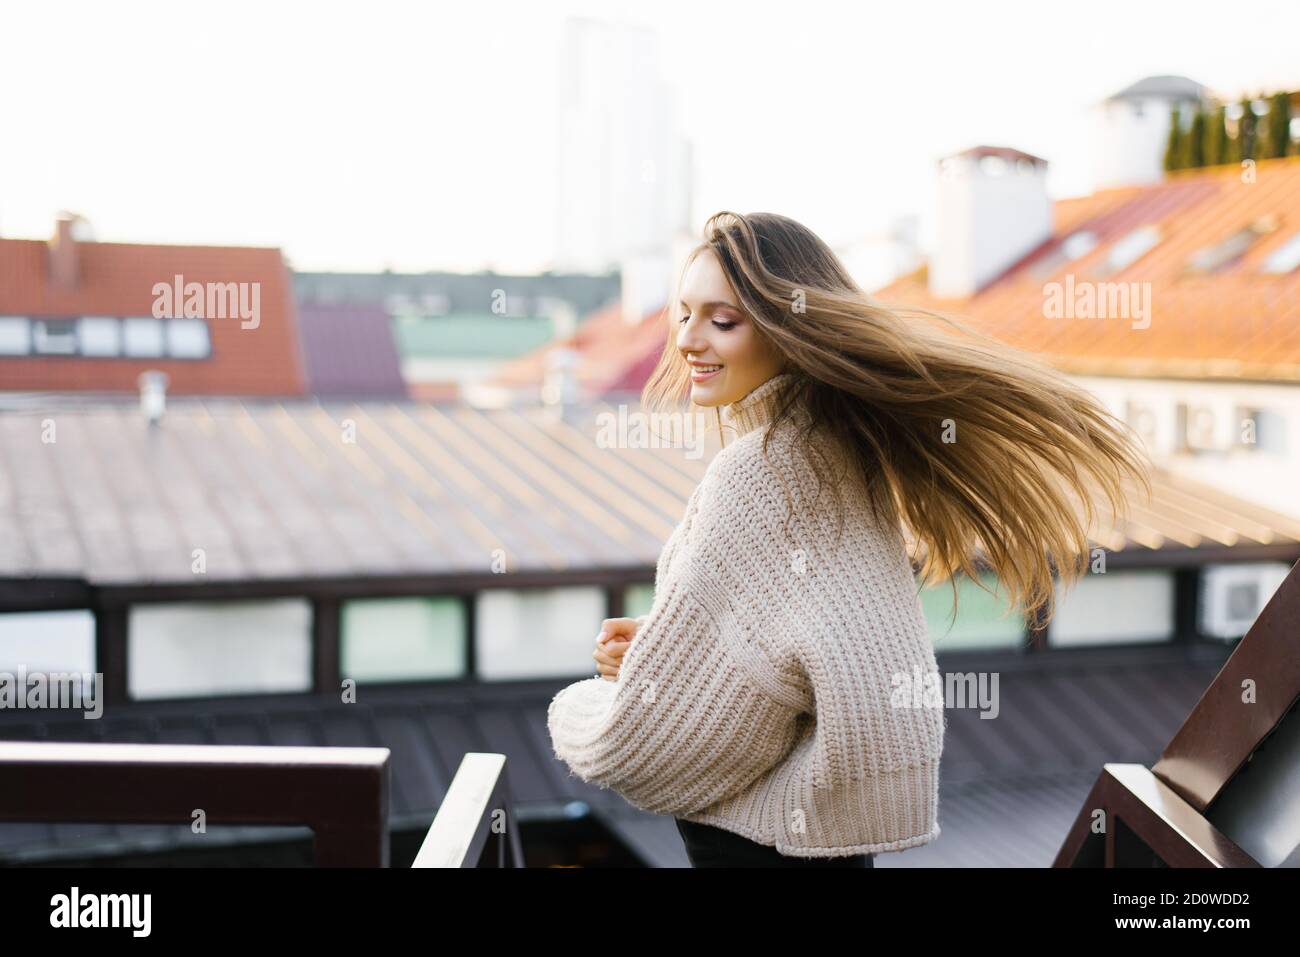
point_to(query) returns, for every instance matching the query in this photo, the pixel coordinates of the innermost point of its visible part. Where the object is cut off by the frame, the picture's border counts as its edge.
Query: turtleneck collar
(755, 409)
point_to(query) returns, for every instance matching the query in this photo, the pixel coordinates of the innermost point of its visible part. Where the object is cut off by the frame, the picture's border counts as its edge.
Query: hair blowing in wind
(986, 454)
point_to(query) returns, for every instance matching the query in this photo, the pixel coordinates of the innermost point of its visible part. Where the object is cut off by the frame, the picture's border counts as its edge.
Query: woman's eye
(724, 326)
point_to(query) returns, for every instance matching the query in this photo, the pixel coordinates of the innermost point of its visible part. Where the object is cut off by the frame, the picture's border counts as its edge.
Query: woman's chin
(707, 392)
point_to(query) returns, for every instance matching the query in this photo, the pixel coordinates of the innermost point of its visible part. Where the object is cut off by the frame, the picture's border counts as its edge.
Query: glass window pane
(214, 648)
(54, 337)
(48, 641)
(638, 600)
(99, 336)
(187, 338)
(143, 336)
(15, 336)
(982, 620)
(1114, 607)
(403, 639)
(538, 633)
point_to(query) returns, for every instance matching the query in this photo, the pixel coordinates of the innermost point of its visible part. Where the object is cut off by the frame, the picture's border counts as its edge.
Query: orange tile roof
(609, 350)
(1237, 322)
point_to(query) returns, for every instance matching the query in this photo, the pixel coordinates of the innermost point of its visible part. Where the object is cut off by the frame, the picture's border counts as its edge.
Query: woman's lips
(698, 375)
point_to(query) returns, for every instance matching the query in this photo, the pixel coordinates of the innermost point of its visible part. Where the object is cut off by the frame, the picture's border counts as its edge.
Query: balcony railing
(342, 794)
(1217, 774)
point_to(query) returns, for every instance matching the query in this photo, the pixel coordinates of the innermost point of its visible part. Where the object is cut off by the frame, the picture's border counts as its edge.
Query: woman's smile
(701, 372)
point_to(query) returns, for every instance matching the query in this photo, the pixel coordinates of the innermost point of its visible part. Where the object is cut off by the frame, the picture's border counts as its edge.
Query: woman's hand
(615, 636)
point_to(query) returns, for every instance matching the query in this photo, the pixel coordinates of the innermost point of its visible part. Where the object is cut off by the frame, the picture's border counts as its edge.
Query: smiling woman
(727, 355)
(761, 694)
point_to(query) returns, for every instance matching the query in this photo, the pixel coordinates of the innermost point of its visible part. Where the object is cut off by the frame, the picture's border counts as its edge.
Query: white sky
(422, 135)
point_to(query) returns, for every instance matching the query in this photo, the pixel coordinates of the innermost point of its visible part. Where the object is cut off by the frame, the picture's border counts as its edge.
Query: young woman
(781, 699)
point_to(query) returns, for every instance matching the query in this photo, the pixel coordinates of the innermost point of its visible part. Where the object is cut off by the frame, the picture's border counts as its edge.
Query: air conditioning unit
(1232, 596)
(1198, 428)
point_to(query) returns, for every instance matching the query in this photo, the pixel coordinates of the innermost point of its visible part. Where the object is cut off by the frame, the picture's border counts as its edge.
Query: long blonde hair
(893, 386)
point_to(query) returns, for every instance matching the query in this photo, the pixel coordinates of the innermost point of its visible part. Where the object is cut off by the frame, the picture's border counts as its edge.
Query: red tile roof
(613, 355)
(117, 279)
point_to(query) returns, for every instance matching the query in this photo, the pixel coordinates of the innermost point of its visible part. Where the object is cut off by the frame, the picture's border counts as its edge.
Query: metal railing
(475, 825)
(1135, 816)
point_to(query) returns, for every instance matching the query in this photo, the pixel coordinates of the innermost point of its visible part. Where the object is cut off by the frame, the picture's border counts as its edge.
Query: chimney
(993, 209)
(65, 269)
(1131, 129)
(560, 387)
(153, 395)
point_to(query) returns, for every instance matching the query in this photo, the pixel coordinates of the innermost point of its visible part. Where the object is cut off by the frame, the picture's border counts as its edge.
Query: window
(1198, 429)
(1261, 430)
(1283, 259)
(403, 639)
(1114, 607)
(638, 600)
(54, 337)
(187, 338)
(143, 337)
(15, 336)
(183, 649)
(1075, 246)
(983, 620)
(537, 633)
(48, 641)
(1131, 248)
(98, 336)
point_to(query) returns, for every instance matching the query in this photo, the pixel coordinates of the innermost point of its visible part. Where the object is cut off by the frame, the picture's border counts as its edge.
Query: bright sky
(423, 135)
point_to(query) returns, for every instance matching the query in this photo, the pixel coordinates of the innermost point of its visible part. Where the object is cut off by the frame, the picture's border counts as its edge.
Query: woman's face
(728, 359)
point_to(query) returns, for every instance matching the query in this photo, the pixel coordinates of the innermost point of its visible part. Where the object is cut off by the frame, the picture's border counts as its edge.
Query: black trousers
(709, 846)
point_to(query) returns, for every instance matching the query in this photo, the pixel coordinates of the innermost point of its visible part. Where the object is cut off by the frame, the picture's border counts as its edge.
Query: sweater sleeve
(685, 724)
(697, 713)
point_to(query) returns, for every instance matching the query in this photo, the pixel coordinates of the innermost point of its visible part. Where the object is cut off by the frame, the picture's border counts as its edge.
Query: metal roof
(306, 490)
(349, 350)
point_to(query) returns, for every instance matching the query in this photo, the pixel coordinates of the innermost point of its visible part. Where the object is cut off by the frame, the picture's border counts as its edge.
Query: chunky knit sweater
(778, 687)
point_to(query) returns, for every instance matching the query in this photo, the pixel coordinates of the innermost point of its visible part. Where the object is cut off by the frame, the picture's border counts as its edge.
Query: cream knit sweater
(759, 694)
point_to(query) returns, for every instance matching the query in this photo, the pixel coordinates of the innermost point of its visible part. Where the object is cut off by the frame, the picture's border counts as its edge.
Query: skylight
(1132, 247)
(1285, 258)
(1228, 250)
(1078, 244)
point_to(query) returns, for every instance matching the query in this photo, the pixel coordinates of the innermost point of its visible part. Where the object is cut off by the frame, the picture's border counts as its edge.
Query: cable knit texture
(770, 690)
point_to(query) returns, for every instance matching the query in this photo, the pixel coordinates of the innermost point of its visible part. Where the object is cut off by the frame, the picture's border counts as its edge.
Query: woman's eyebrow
(712, 305)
